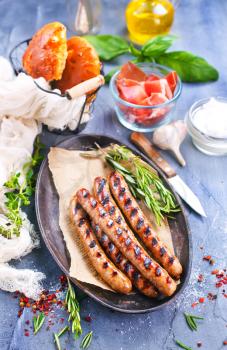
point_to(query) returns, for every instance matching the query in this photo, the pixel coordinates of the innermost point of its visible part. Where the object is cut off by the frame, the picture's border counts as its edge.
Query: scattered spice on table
(199, 344)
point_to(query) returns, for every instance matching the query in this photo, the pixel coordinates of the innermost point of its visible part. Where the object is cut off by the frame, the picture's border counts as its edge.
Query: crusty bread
(46, 53)
(82, 63)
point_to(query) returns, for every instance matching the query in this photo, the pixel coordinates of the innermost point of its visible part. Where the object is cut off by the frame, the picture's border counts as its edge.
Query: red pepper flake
(207, 257)
(225, 342)
(201, 300)
(215, 272)
(194, 304)
(200, 278)
(225, 295)
(26, 333)
(88, 318)
(211, 296)
(199, 344)
(27, 322)
(218, 284)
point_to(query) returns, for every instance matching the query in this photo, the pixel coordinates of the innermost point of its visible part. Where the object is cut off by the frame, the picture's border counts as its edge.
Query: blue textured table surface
(201, 27)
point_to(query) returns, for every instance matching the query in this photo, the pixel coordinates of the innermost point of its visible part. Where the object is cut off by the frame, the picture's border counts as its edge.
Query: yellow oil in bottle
(147, 18)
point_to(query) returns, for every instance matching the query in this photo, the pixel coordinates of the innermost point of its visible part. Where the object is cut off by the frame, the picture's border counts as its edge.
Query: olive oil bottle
(148, 18)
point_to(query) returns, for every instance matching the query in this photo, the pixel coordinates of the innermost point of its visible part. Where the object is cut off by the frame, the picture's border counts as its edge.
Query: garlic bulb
(170, 137)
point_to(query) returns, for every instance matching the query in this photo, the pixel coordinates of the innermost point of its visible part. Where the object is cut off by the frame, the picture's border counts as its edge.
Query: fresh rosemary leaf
(38, 322)
(86, 340)
(73, 307)
(182, 346)
(62, 331)
(57, 341)
(190, 320)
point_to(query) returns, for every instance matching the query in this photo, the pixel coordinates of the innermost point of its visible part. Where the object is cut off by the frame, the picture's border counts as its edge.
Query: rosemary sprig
(86, 341)
(19, 192)
(191, 321)
(57, 341)
(38, 322)
(73, 307)
(182, 346)
(143, 181)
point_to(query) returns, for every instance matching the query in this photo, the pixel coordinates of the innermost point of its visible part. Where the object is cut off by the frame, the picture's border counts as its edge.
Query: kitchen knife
(178, 184)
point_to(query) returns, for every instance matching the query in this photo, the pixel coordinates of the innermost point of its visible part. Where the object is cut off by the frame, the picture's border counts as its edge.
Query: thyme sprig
(143, 181)
(19, 189)
(73, 307)
(191, 321)
(38, 322)
(86, 341)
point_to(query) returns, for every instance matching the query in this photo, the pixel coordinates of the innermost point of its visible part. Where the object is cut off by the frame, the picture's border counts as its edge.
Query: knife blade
(175, 180)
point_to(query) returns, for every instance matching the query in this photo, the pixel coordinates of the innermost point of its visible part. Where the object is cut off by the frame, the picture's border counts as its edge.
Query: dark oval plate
(47, 211)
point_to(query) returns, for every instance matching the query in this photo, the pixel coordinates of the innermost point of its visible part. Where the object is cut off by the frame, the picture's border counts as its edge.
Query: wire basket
(15, 57)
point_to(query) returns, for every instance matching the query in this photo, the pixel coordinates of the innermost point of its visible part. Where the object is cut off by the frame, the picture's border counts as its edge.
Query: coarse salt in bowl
(144, 118)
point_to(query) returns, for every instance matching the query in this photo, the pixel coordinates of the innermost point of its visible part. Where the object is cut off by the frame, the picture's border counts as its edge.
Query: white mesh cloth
(25, 281)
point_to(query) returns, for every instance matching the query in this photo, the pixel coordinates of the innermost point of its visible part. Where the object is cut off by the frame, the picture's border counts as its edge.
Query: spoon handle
(146, 146)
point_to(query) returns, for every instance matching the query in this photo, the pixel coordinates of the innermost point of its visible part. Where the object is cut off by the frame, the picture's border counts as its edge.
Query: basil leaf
(157, 46)
(190, 68)
(108, 46)
(109, 75)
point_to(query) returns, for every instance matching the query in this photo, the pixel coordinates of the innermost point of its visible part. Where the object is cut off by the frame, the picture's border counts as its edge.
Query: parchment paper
(70, 172)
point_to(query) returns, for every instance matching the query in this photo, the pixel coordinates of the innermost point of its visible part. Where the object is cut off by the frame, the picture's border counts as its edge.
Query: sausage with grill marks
(142, 226)
(109, 273)
(143, 285)
(125, 241)
(102, 194)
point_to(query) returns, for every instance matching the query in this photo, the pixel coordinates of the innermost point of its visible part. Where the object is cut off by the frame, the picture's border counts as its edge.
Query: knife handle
(146, 146)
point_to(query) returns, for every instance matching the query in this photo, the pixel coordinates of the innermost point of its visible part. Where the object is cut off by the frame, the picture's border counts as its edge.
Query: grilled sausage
(142, 226)
(109, 273)
(125, 241)
(143, 285)
(102, 194)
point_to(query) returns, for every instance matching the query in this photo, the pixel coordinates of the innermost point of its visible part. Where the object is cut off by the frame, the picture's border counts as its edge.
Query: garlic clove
(169, 137)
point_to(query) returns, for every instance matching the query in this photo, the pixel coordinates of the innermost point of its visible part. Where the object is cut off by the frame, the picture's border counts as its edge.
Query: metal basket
(15, 57)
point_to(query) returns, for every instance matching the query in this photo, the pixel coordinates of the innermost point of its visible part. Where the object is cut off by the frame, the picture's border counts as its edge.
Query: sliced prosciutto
(136, 87)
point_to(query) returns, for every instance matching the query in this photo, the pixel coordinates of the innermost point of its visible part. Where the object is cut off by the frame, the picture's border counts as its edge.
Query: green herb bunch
(19, 189)
(189, 67)
(143, 181)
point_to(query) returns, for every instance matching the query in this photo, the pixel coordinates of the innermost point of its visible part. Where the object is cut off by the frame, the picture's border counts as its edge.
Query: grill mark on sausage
(118, 257)
(98, 255)
(171, 260)
(162, 251)
(105, 265)
(82, 221)
(137, 250)
(119, 231)
(127, 267)
(158, 271)
(111, 246)
(128, 202)
(114, 274)
(92, 244)
(147, 231)
(112, 210)
(147, 263)
(87, 232)
(105, 201)
(140, 223)
(154, 242)
(110, 223)
(101, 185)
(133, 212)
(104, 237)
(93, 203)
(128, 242)
(118, 220)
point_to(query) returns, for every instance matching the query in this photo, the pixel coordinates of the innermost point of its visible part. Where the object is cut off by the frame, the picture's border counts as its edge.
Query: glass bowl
(145, 118)
(211, 145)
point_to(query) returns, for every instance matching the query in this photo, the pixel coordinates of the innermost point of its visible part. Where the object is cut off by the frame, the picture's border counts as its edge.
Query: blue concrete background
(202, 28)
